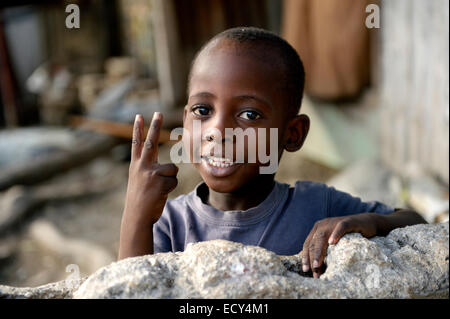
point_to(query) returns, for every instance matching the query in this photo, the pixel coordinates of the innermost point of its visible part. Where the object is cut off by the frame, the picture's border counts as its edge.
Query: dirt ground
(85, 231)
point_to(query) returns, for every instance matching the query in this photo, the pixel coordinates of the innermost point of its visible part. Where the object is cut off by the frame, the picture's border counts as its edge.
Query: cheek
(187, 143)
(269, 146)
(247, 147)
(192, 138)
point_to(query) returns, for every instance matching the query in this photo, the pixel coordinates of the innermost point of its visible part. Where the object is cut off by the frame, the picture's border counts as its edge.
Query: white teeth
(219, 161)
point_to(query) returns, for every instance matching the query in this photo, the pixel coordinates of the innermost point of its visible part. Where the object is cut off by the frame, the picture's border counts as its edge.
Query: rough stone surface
(411, 262)
(57, 290)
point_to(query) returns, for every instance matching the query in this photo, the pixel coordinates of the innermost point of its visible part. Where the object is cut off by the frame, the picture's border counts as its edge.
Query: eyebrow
(240, 97)
(203, 94)
(252, 97)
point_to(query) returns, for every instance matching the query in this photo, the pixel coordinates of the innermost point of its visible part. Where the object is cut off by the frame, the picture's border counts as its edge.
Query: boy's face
(233, 90)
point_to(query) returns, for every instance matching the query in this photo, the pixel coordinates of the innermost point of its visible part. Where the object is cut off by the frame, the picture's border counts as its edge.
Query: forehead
(227, 69)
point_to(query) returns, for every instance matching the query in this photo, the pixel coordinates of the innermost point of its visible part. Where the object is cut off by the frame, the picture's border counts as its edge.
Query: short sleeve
(161, 238)
(344, 204)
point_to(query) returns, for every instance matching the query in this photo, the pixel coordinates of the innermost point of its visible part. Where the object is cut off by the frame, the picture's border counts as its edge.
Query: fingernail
(137, 117)
(305, 268)
(316, 264)
(330, 241)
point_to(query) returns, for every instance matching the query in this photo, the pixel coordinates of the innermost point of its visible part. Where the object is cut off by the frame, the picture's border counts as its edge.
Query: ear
(297, 131)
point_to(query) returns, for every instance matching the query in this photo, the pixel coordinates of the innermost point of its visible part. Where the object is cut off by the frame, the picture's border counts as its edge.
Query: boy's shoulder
(310, 188)
(307, 187)
(321, 191)
(308, 192)
(307, 184)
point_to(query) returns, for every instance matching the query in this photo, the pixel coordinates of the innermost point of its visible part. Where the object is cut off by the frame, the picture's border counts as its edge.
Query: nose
(215, 128)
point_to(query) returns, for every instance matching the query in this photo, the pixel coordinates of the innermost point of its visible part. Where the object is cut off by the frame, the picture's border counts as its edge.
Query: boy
(244, 78)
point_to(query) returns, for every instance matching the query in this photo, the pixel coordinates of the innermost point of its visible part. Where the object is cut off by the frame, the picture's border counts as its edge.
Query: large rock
(57, 290)
(411, 262)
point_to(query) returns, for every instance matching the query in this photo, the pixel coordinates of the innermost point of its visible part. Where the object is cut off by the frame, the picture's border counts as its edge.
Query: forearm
(399, 218)
(136, 239)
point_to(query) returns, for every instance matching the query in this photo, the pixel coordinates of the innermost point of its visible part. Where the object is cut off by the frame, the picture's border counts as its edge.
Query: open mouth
(218, 161)
(219, 166)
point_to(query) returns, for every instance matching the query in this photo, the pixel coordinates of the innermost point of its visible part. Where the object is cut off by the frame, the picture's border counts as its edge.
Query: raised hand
(149, 184)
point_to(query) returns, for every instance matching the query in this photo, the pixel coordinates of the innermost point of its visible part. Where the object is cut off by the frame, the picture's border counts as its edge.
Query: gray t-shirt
(280, 223)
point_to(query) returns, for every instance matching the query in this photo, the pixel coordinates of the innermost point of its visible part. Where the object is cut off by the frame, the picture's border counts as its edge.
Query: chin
(229, 184)
(221, 185)
(227, 180)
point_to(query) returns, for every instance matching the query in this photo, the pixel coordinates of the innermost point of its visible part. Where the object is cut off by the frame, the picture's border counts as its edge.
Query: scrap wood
(19, 203)
(43, 168)
(116, 129)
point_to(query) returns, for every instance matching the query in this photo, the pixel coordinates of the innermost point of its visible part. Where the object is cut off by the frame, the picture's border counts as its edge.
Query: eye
(201, 110)
(250, 115)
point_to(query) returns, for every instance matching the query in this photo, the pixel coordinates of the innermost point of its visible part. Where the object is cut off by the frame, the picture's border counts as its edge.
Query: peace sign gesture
(149, 184)
(148, 148)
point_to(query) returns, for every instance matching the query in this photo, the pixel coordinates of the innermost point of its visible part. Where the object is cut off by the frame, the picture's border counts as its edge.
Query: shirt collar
(254, 215)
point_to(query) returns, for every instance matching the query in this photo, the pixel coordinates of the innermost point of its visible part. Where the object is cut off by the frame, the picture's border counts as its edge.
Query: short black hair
(294, 79)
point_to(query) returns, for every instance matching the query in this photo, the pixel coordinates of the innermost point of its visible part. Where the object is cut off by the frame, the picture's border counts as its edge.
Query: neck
(246, 197)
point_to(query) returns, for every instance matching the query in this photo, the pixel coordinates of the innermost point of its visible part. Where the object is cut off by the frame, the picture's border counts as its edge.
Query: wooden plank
(171, 82)
(43, 168)
(115, 129)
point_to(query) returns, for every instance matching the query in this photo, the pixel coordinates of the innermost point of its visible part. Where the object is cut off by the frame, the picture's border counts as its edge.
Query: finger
(305, 257)
(306, 245)
(136, 141)
(168, 184)
(318, 272)
(319, 250)
(168, 170)
(342, 228)
(150, 151)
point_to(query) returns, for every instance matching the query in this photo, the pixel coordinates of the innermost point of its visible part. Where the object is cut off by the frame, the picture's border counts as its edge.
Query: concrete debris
(411, 262)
